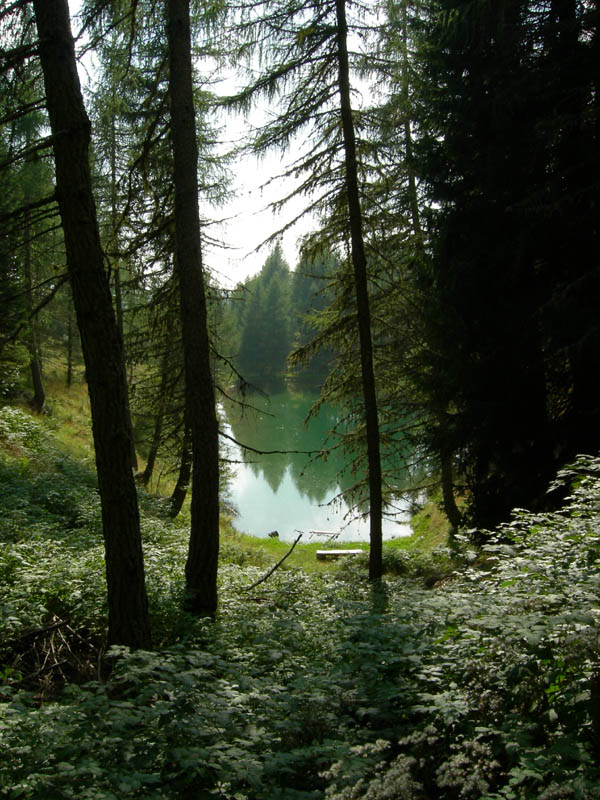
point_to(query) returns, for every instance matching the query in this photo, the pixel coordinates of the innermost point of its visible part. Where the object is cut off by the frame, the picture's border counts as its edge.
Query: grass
(69, 419)
(265, 551)
(430, 528)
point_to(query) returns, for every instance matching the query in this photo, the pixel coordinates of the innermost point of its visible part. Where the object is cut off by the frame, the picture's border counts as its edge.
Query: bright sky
(248, 220)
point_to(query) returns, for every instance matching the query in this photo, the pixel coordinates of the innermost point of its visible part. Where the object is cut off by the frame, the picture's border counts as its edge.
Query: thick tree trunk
(101, 344)
(201, 566)
(359, 263)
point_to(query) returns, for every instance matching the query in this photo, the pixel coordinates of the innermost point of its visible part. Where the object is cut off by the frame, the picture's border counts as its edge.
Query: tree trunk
(359, 263)
(185, 470)
(146, 475)
(39, 395)
(450, 507)
(70, 344)
(201, 566)
(101, 344)
(445, 454)
(117, 273)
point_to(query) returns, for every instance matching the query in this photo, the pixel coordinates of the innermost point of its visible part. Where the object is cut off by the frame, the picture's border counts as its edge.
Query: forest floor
(471, 674)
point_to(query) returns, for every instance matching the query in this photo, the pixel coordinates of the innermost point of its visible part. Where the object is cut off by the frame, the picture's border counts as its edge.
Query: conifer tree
(265, 329)
(158, 227)
(201, 565)
(127, 601)
(513, 279)
(308, 68)
(310, 295)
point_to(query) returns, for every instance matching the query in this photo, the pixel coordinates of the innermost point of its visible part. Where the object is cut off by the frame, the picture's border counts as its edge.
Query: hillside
(311, 685)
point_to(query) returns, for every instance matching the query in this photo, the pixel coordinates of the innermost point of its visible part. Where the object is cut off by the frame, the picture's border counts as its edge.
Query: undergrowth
(483, 683)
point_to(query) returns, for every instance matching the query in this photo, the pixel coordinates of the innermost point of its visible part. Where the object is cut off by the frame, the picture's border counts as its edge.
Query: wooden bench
(326, 555)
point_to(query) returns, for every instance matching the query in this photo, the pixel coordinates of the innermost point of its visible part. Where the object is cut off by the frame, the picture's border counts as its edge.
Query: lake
(292, 492)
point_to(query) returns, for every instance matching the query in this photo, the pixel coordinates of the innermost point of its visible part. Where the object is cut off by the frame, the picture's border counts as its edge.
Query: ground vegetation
(464, 675)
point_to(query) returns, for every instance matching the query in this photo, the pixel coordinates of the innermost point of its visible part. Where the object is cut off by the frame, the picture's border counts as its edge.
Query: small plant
(19, 428)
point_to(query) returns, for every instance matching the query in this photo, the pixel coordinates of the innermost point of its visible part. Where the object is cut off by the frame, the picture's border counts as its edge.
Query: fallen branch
(272, 570)
(23, 637)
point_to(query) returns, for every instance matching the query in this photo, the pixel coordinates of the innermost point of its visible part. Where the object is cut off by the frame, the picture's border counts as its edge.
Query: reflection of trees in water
(313, 477)
(272, 468)
(281, 426)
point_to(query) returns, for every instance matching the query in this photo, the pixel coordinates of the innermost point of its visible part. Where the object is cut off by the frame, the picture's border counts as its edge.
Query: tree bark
(185, 470)
(101, 344)
(39, 395)
(117, 273)
(201, 565)
(359, 263)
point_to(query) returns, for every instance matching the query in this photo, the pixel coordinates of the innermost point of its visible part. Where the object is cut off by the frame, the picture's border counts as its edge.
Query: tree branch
(269, 452)
(272, 570)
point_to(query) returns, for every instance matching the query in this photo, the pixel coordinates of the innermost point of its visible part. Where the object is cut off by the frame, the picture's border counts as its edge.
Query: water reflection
(285, 491)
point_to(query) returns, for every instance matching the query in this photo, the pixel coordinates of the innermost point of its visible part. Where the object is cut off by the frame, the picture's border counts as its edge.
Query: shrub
(19, 428)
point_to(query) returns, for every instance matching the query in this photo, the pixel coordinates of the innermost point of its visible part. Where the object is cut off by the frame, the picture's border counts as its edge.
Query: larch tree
(159, 228)
(202, 561)
(101, 343)
(306, 68)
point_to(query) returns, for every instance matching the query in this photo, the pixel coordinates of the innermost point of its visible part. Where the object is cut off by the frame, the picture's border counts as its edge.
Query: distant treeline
(271, 315)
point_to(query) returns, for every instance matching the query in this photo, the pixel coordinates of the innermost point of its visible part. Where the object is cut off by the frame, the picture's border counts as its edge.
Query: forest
(445, 303)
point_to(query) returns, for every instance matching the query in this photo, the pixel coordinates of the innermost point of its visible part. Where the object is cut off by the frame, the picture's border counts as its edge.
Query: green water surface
(287, 491)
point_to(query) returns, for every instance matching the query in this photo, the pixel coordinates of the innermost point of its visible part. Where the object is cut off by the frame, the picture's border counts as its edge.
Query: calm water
(290, 493)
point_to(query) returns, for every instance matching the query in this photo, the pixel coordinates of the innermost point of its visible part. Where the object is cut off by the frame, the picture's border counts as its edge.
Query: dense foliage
(472, 672)
(477, 169)
(484, 685)
(270, 316)
(508, 155)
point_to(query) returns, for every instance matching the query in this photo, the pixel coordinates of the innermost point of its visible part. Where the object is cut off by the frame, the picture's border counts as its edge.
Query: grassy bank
(68, 419)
